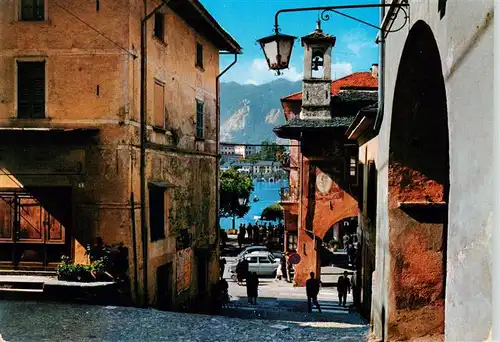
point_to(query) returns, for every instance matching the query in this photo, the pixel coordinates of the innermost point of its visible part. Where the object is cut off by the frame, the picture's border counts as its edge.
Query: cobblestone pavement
(280, 315)
(32, 321)
(280, 303)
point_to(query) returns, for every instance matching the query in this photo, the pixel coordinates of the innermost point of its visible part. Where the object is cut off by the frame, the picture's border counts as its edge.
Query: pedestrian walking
(241, 237)
(288, 265)
(351, 251)
(343, 287)
(345, 240)
(283, 264)
(279, 272)
(250, 231)
(252, 288)
(222, 267)
(239, 272)
(312, 290)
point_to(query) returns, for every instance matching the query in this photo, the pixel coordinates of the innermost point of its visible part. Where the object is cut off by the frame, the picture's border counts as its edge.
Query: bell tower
(316, 84)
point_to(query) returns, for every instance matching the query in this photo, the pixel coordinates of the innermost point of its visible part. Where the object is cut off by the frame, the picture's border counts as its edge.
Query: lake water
(268, 193)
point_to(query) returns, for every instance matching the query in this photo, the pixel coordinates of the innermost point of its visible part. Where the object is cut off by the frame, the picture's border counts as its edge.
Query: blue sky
(249, 20)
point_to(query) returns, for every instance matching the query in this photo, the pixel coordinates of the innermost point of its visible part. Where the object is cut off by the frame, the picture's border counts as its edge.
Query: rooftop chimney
(374, 70)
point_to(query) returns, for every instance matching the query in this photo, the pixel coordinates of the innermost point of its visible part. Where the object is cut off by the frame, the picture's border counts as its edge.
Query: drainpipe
(496, 181)
(143, 136)
(381, 60)
(217, 133)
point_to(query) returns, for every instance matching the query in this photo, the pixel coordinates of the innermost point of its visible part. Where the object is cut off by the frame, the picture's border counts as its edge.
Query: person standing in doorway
(312, 290)
(343, 287)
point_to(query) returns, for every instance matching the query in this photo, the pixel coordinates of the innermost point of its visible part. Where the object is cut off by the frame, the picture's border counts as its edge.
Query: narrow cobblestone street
(280, 315)
(33, 321)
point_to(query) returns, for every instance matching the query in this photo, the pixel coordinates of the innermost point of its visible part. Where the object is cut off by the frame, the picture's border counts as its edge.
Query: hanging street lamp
(277, 48)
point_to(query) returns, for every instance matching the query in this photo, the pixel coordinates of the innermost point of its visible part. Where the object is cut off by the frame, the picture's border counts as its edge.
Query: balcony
(289, 195)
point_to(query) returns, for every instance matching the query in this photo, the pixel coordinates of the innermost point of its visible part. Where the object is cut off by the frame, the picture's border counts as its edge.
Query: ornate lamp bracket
(326, 10)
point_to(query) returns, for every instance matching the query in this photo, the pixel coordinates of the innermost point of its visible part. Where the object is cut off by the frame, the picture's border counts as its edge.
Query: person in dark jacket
(252, 288)
(312, 290)
(343, 287)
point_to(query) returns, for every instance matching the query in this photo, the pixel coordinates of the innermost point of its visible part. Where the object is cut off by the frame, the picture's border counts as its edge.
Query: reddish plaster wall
(323, 209)
(416, 288)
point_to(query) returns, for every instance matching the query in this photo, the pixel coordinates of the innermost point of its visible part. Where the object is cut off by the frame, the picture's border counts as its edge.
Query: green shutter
(31, 89)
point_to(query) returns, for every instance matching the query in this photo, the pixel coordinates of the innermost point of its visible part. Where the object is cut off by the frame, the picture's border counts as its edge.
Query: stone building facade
(316, 121)
(70, 142)
(432, 155)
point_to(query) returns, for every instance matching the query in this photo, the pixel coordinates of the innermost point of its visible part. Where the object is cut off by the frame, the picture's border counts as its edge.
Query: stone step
(17, 290)
(13, 272)
(20, 284)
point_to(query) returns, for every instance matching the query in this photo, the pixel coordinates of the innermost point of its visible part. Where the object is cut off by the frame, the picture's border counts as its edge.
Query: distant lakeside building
(263, 167)
(237, 151)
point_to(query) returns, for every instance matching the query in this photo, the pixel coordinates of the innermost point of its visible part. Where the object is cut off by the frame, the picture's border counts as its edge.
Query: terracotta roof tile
(363, 79)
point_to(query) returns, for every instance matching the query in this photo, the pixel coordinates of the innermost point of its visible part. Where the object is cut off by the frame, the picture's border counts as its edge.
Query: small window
(159, 30)
(199, 55)
(31, 90)
(200, 119)
(159, 107)
(32, 10)
(157, 213)
(252, 260)
(264, 260)
(353, 167)
(292, 242)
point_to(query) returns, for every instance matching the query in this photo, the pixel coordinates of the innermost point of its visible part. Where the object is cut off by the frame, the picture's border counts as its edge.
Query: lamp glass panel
(271, 51)
(285, 49)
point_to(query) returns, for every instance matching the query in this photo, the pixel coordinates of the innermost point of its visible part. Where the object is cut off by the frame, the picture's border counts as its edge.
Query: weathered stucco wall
(464, 37)
(174, 155)
(77, 61)
(92, 82)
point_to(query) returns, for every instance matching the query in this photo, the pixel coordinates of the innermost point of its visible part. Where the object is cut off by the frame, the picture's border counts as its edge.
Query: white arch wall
(465, 41)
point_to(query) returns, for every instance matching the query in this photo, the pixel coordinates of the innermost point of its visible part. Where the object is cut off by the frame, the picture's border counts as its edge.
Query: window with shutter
(156, 213)
(199, 55)
(32, 10)
(31, 90)
(371, 203)
(159, 28)
(199, 119)
(159, 107)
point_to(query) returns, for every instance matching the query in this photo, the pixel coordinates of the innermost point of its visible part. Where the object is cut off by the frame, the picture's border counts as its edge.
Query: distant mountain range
(250, 112)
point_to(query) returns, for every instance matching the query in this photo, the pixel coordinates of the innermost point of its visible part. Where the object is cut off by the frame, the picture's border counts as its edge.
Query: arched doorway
(332, 243)
(418, 191)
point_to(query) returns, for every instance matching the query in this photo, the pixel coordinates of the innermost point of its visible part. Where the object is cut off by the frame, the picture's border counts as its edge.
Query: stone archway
(418, 191)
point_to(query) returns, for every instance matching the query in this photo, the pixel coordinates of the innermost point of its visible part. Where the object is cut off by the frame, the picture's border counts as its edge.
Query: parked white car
(261, 262)
(250, 249)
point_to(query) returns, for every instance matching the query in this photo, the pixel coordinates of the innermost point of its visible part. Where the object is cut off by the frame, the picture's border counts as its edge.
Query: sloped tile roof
(363, 79)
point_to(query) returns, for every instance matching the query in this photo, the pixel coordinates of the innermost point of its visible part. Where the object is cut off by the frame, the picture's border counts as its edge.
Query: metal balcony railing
(289, 194)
